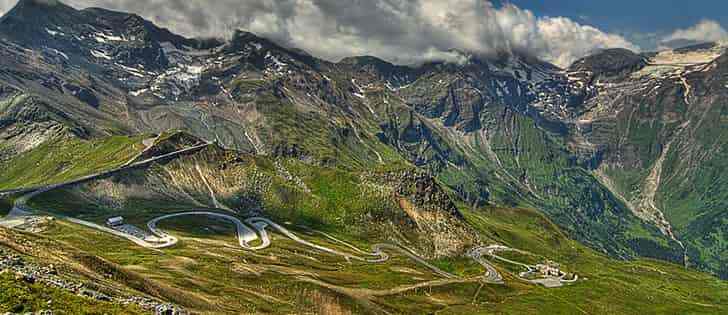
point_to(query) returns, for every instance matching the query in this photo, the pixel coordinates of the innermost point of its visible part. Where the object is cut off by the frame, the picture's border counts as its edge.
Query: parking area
(135, 232)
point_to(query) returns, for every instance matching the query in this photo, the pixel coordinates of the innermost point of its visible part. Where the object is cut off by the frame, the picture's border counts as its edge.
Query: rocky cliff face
(608, 148)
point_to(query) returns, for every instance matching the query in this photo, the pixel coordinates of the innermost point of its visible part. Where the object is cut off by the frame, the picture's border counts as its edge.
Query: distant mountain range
(626, 152)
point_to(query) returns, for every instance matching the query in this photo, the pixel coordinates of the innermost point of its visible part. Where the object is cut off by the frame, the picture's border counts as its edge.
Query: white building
(115, 221)
(548, 270)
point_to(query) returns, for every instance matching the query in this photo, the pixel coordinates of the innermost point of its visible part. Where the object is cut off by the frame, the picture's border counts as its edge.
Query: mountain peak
(241, 35)
(47, 3)
(243, 38)
(28, 15)
(25, 7)
(363, 60)
(610, 62)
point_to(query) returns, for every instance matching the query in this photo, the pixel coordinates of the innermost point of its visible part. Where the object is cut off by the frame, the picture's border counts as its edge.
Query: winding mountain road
(245, 234)
(264, 222)
(253, 229)
(379, 247)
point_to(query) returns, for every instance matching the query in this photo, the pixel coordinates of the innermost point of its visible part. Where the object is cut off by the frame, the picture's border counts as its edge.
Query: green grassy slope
(362, 203)
(63, 159)
(694, 193)
(609, 286)
(274, 280)
(20, 297)
(521, 165)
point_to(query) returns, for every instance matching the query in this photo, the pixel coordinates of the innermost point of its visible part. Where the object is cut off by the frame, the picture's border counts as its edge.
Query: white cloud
(704, 31)
(401, 31)
(568, 40)
(5, 5)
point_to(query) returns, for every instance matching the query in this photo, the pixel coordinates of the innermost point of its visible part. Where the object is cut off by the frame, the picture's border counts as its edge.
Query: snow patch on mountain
(60, 53)
(133, 71)
(105, 38)
(100, 55)
(54, 33)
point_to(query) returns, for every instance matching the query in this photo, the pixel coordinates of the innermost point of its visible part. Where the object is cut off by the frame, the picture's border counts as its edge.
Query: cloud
(568, 40)
(5, 5)
(704, 31)
(401, 31)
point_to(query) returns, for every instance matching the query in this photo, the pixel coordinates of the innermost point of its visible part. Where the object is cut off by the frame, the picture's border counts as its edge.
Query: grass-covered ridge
(19, 297)
(64, 158)
(365, 204)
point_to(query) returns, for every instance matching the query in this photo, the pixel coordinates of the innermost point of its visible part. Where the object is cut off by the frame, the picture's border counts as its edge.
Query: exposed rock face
(434, 213)
(424, 192)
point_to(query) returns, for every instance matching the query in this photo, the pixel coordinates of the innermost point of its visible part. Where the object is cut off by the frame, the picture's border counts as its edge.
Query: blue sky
(634, 19)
